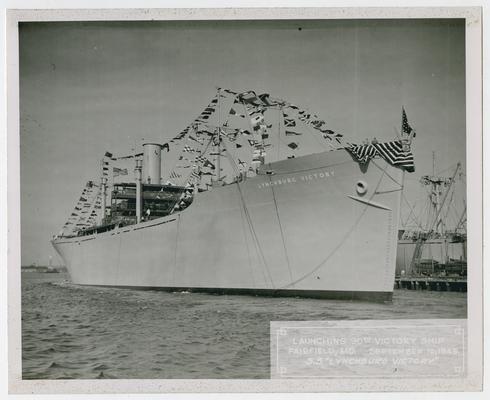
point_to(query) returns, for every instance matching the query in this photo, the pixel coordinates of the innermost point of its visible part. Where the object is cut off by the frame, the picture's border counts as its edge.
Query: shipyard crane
(437, 183)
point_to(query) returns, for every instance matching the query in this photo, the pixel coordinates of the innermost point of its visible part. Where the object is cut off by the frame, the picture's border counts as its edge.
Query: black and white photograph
(185, 184)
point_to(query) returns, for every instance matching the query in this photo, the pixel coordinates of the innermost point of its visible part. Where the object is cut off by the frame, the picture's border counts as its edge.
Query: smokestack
(152, 163)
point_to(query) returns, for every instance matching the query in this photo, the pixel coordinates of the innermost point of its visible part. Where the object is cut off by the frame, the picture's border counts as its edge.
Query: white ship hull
(302, 231)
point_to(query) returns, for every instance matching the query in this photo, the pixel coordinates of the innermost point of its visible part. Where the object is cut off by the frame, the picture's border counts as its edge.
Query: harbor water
(75, 332)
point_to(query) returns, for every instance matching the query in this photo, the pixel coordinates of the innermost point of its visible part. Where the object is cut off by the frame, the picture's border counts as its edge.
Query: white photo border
(473, 381)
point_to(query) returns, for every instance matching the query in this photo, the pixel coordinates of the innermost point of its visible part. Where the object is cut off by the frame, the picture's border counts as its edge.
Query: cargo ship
(243, 207)
(433, 242)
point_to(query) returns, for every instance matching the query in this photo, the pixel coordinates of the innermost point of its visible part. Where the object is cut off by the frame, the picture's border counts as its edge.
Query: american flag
(392, 152)
(363, 153)
(406, 128)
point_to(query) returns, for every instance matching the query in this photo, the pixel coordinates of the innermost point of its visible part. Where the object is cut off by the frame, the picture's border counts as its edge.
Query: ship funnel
(152, 163)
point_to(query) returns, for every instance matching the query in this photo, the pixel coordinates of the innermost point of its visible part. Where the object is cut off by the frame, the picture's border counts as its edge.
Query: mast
(434, 223)
(435, 183)
(137, 171)
(103, 188)
(433, 163)
(104, 199)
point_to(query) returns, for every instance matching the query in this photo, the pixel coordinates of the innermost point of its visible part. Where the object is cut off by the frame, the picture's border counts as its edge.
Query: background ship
(245, 209)
(433, 241)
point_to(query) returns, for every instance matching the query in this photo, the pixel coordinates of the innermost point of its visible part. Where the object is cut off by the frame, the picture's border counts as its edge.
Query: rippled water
(77, 332)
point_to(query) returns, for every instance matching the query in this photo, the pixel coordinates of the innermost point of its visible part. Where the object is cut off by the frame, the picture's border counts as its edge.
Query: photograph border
(474, 167)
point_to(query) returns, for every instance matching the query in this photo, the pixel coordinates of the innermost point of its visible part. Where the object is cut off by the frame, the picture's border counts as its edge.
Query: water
(72, 332)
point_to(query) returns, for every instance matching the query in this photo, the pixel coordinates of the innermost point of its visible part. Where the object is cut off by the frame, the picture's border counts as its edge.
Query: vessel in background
(433, 242)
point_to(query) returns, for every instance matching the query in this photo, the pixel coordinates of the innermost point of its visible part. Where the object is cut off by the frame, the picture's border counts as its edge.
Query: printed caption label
(367, 348)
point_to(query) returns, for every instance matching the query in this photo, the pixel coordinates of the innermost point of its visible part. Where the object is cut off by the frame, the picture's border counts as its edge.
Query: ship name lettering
(277, 182)
(292, 179)
(317, 175)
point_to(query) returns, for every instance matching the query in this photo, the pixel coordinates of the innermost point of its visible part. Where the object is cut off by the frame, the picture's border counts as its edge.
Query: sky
(88, 87)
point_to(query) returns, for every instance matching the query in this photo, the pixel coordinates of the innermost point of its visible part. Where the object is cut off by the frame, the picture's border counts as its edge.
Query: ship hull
(302, 230)
(437, 250)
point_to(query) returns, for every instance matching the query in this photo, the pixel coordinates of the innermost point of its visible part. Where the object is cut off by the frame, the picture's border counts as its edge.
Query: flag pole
(279, 131)
(401, 124)
(218, 161)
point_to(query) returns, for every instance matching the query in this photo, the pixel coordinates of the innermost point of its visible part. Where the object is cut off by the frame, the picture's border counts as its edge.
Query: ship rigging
(243, 138)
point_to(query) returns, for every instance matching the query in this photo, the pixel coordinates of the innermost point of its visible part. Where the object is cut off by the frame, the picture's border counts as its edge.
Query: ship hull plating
(313, 226)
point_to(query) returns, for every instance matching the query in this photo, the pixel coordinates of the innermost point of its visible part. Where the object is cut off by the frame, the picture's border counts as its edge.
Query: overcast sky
(90, 87)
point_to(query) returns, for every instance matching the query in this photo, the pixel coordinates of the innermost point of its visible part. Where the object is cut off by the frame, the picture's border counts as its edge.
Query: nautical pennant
(257, 120)
(317, 123)
(119, 171)
(250, 97)
(188, 149)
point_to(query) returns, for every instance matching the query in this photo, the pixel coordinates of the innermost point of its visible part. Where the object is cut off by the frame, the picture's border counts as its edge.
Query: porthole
(361, 188)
